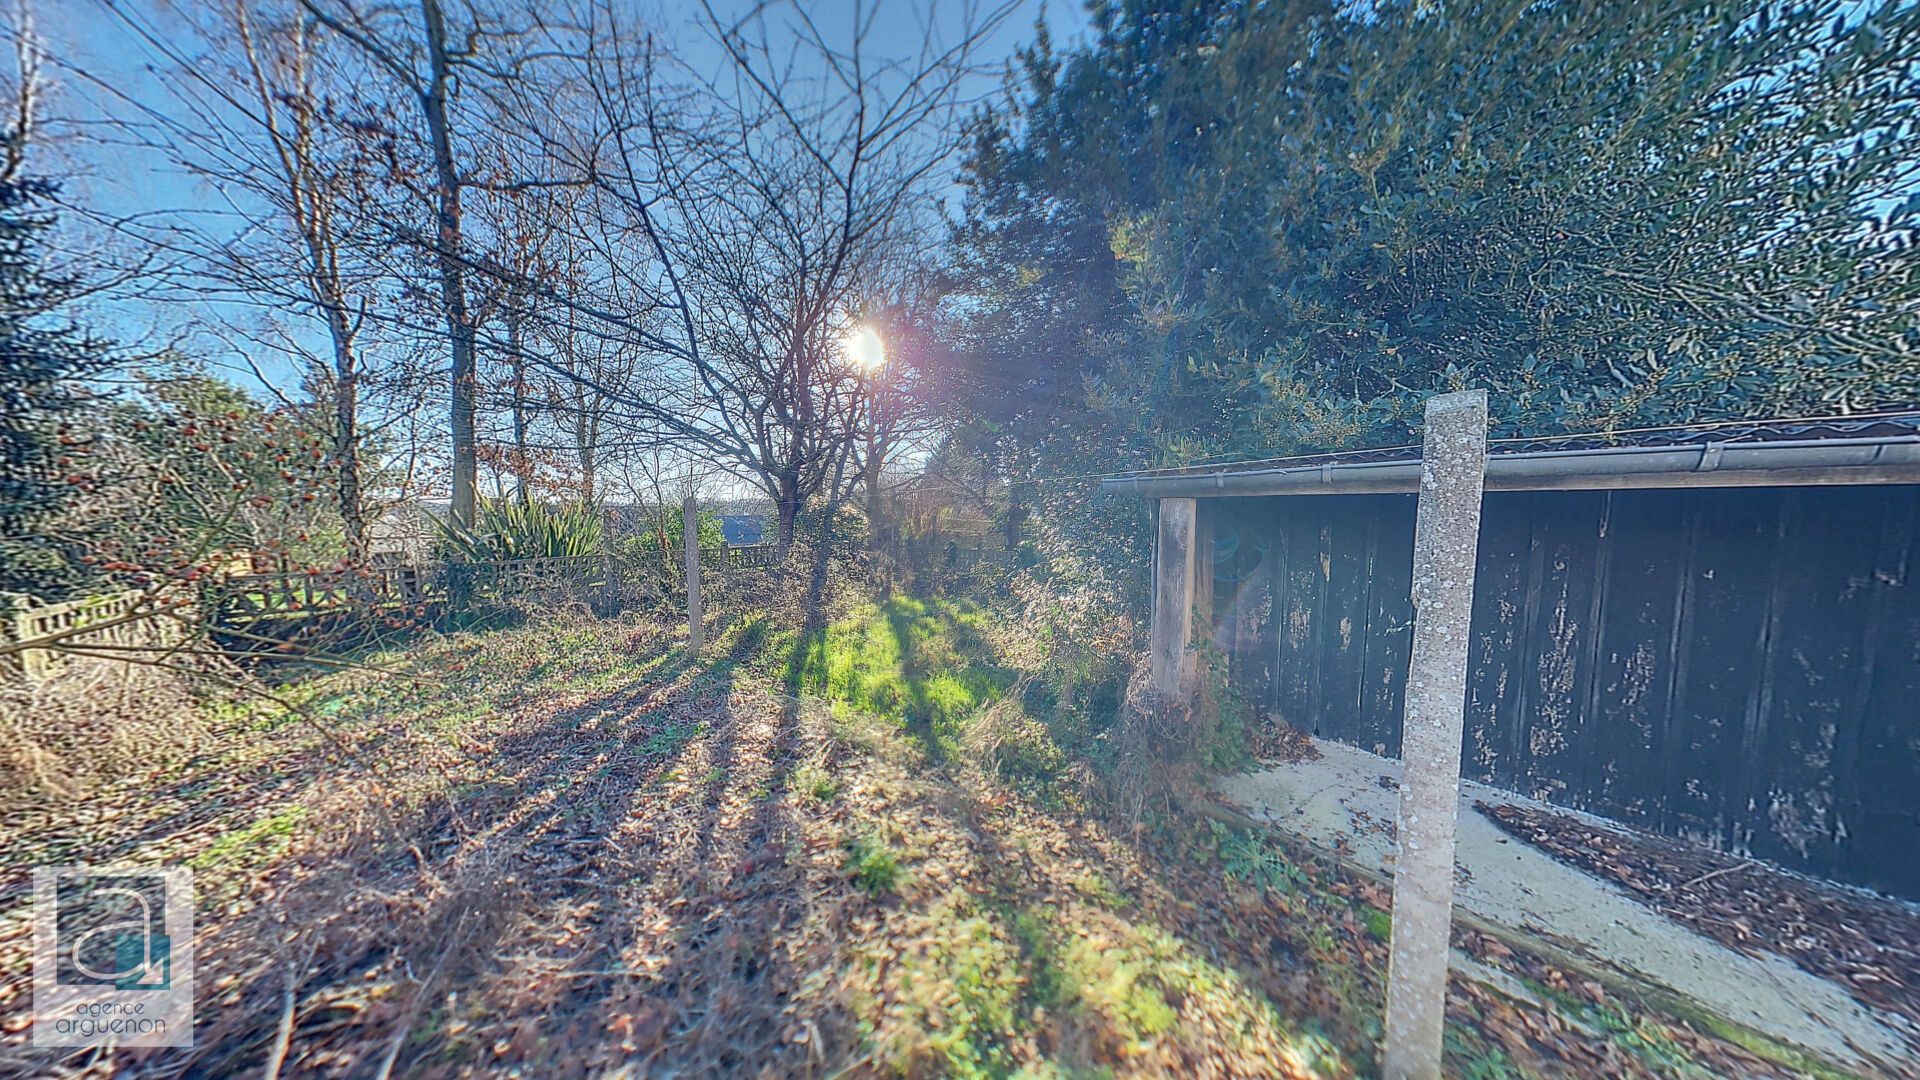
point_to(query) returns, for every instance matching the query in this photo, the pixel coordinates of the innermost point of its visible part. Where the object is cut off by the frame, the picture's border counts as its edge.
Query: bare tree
(733, 216)
(720, 227)
(21, 92)
(248, 83)
(898, 408)
(420, 58)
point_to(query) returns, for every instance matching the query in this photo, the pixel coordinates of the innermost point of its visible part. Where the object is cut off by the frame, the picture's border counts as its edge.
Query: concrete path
(1351, 794)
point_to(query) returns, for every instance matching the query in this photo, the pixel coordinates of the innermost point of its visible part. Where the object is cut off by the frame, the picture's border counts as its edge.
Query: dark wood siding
(1737, 666)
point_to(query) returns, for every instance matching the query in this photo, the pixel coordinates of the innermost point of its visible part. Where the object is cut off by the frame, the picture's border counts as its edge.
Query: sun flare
(864, 349)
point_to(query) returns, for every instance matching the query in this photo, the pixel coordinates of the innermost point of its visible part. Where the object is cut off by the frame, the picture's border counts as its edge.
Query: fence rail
(241, 600)
(117, 616)
(250, 598)
(950, 556)
(747, 556)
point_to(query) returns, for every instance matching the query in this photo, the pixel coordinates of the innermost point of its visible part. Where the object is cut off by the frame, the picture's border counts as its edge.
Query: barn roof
(1878, 449)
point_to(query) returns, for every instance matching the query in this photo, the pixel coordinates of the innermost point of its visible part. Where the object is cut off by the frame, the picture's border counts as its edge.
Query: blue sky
(115, 180)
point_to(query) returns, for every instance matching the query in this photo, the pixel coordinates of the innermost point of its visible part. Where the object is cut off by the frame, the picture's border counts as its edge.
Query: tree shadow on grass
(916, 663)
(504, 892)
(712, 969)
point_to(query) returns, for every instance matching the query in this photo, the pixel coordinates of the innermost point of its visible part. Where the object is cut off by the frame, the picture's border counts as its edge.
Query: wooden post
(1172, 594)
(609, 584)
(1203, 516)
(1445, 546)
(20, 628)
(690, 514)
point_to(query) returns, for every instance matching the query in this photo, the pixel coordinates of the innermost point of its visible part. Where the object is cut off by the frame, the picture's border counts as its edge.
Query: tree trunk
(1016, 517)
(522, 462)
(816, 607)
(876, 509)
(346, 426)
(453, 284)
(586, 430)
(787, 509)
(346, 458)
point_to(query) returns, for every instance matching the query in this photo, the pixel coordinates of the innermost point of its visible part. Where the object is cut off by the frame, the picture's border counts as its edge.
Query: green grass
(1246, 856)
(252, 846)
(1379, 923)
(924, 664)
(668, 741)
(1769, 1050)
(815, 783)
(959, 997)
(1481, 1063)
(872, 864)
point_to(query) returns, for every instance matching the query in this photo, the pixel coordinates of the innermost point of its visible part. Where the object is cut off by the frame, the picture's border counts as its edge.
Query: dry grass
(98, 720)
(570, 849)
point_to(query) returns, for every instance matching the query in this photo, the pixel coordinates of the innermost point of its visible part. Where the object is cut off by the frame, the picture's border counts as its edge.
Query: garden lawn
(572, 849)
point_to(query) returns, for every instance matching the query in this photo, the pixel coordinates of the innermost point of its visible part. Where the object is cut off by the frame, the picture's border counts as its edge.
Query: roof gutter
(1891, 459)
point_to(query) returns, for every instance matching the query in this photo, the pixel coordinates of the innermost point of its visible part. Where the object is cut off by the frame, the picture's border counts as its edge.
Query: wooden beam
(1172, 594)
(1516, 472)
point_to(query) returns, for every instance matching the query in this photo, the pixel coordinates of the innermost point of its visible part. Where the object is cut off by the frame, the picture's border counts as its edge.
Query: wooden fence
(118, 616)
(936, 555)
(746, 556)
(241, 600)
(250, 598)
(244, 598)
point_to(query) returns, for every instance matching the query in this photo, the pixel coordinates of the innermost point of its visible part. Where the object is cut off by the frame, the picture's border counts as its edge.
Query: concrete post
(1172, 594)
(1445, 544)
(690, 516)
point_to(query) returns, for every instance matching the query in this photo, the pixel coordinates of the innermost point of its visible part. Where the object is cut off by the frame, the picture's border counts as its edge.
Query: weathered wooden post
(609, 584)
(1445, 544)
(1204, 513)
(1172, 594)
(690, 514)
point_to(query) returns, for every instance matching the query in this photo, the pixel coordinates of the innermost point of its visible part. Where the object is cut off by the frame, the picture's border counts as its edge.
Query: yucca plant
(510, 529)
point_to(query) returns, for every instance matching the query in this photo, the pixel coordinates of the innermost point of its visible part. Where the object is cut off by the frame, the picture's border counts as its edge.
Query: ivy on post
(1446, 543)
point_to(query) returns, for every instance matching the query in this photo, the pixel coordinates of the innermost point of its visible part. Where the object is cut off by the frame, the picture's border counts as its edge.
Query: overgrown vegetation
(924, 664)
(1229, 229)
(592, 835)
(897, 834)
(512, 529)
(47, 369)
(1223, 231)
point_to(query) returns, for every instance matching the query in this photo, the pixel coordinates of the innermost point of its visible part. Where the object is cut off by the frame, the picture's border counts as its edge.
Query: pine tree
(48, 366)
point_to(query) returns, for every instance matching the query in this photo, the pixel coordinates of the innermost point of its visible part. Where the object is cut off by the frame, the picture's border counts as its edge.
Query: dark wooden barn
(1711, 635)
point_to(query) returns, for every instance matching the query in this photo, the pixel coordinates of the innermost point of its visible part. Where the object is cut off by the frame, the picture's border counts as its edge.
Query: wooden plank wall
(1736, 666)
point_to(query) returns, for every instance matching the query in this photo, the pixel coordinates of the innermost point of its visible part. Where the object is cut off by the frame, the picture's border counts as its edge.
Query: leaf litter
(630, 881)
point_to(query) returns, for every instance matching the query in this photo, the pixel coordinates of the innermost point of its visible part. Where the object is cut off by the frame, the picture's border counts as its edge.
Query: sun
(864, 349)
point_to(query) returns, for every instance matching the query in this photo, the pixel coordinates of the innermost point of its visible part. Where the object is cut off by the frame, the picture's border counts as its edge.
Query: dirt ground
(571, 849)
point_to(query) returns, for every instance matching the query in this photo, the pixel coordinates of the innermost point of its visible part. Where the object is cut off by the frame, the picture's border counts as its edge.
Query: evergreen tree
(47, 369)
(1229, 230)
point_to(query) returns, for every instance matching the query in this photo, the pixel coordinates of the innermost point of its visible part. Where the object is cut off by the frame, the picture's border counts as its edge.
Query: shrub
(509, 529)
